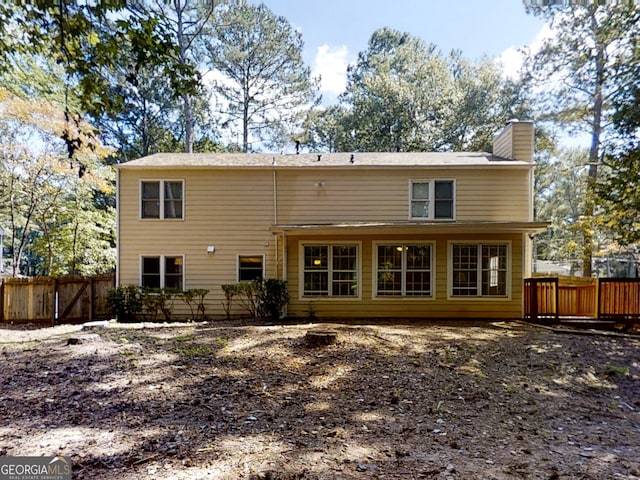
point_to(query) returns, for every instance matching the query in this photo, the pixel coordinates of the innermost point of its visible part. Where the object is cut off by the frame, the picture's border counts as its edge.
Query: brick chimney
(515, 141)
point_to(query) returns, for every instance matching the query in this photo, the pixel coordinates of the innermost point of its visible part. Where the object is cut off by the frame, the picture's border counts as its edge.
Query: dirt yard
(240, 401)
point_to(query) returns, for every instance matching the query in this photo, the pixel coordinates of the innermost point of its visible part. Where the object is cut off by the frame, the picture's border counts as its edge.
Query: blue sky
(334, 31)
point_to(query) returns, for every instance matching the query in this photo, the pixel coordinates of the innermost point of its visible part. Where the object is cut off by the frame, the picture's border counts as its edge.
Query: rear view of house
(429, 235)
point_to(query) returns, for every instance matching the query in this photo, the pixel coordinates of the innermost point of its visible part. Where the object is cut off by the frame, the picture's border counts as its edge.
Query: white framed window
(250, 267)
(162, 199)
(330, 270)
(480, 269)
(162, 271)
(404, 269)
(432, 199)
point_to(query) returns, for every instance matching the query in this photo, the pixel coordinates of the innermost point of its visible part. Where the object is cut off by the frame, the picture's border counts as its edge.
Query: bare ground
(240, 401)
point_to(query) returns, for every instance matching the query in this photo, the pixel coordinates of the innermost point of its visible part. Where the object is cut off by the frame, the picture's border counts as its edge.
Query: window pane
(173, 272)
(418, 283)
(389, 257)
(344, 257)
(444, 190)
(316, 257)
(151, 190)
(418, 274)
(150, 199)
(344, 280)
(465, 270)
(172, 199)
(443, 209)
(344, 284)
(420, 209)
(443, 199)
(316, 283)
(390, 270)
(249, 268)
(494, 270)
(420, 191)
(316, 270)
(151, 272)
(419, 200)
(389, 283)
(418, 257)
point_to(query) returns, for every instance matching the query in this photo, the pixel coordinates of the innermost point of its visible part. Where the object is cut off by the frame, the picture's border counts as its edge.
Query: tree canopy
(404, 95)
(578, 74)
(262, 85)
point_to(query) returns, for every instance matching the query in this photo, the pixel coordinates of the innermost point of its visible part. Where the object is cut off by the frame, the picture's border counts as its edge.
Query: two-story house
(430, 235)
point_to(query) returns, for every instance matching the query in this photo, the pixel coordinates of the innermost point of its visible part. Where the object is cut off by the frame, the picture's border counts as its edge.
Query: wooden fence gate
(55, 300)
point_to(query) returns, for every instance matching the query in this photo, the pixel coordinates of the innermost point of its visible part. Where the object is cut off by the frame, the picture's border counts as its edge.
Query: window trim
(432, 203)
(332, 243)
(479, 296)
(403, 297)
(162, 182)
(261, 255)
(163, 273)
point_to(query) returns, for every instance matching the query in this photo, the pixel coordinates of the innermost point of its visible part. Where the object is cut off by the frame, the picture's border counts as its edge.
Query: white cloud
(512, 58)
(331, 64)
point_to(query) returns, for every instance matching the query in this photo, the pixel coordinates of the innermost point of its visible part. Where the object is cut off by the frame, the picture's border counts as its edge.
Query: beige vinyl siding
(231, 211)
(503, 144)
(437, 307)
(382, 195)
(515, 142)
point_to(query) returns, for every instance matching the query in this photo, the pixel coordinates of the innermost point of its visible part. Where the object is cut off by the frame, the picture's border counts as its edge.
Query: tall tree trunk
(187, 111)
(188, 123)
(245, 118)
(594, 155)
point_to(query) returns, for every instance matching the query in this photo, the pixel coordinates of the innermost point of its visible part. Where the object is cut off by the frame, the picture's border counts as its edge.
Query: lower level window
(249, 267)
(404, 270)
(330, 270)
(162, 272)
(479, 269)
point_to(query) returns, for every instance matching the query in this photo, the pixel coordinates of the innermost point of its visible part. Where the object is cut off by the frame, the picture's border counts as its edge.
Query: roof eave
(531, 228)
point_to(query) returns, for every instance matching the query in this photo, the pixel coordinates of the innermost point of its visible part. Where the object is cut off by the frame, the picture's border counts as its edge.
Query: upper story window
(432, 199)
(162, 199)
(330, 270)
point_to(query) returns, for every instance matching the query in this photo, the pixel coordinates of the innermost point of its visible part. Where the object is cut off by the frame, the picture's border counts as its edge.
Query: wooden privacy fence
(54, 300)
(606, 299)
(619, 299)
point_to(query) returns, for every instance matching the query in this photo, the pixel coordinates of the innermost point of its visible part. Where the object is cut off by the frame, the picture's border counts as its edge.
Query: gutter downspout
(118, 258)
(284, 235)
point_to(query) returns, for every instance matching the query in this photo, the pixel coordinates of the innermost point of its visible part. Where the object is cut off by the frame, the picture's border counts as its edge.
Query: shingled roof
(320, 160)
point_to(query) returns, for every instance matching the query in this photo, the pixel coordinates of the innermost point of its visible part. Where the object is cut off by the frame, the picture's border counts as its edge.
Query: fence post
(1, 300)
(54, 297)
(533, 299)
(91, 285)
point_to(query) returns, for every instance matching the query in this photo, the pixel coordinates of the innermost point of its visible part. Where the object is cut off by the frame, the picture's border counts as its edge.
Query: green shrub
(271, 297)
(230, 290)
(125, 302)
(259, 298)
(247, 298)
(156, 300)
(194, 298)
